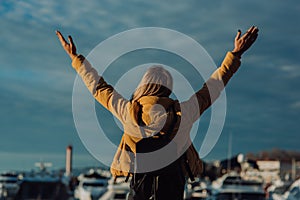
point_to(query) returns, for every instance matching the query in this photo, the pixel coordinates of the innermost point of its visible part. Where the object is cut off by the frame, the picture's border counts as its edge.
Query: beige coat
(155, 118)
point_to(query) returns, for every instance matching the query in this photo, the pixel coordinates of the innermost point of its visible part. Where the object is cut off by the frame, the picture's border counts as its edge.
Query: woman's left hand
(70, 47)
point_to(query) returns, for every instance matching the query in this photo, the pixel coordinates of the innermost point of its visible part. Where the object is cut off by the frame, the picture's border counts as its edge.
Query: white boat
(293, 193)
(46, 188)
(92, 186)
(239, 193)
(42, 184)
(277, 189)
(200, 192)
(199, 189)
(117, 189)
(235, 187)
(9, 185)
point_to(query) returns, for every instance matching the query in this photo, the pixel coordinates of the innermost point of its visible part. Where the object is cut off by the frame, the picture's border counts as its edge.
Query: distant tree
(274, 154)
(251, 156)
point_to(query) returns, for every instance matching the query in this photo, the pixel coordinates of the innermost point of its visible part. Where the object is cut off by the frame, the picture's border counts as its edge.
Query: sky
(36, 84)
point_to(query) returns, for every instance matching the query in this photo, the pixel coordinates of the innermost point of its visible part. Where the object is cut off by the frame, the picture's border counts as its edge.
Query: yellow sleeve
(213, 87)
(102, 92)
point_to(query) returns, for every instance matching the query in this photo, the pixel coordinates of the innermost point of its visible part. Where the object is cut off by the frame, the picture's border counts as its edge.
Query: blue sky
(263, 99)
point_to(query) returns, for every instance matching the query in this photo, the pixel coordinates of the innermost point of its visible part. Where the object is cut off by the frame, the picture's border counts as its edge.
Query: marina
(236, 178)
(97, 184)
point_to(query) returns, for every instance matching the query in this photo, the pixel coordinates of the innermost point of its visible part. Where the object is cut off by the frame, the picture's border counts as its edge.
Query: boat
(92, 185)
(239, 193)
(118, 189)
(198, 189)
(200, 192)
(9, 185)
(293, 193)
(235, 187)
(42, 184)
(46, 188)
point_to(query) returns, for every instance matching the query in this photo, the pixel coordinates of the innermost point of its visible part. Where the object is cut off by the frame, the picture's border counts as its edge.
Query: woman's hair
(157, 81)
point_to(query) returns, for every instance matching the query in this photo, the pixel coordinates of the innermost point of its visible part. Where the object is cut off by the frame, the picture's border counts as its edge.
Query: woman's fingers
(238, 35)
(72, 45)
(251, 31)
(70, 40)
(61, 38)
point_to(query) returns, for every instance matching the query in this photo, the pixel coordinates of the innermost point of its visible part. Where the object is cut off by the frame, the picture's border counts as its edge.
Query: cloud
(290, 71)
(295, 105)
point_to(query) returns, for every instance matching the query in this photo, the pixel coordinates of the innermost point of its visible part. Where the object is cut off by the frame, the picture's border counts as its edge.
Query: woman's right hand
(244, 42)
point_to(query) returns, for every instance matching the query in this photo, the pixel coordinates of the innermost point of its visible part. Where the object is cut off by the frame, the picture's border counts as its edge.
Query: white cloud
(291, 71)
(295, 105)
